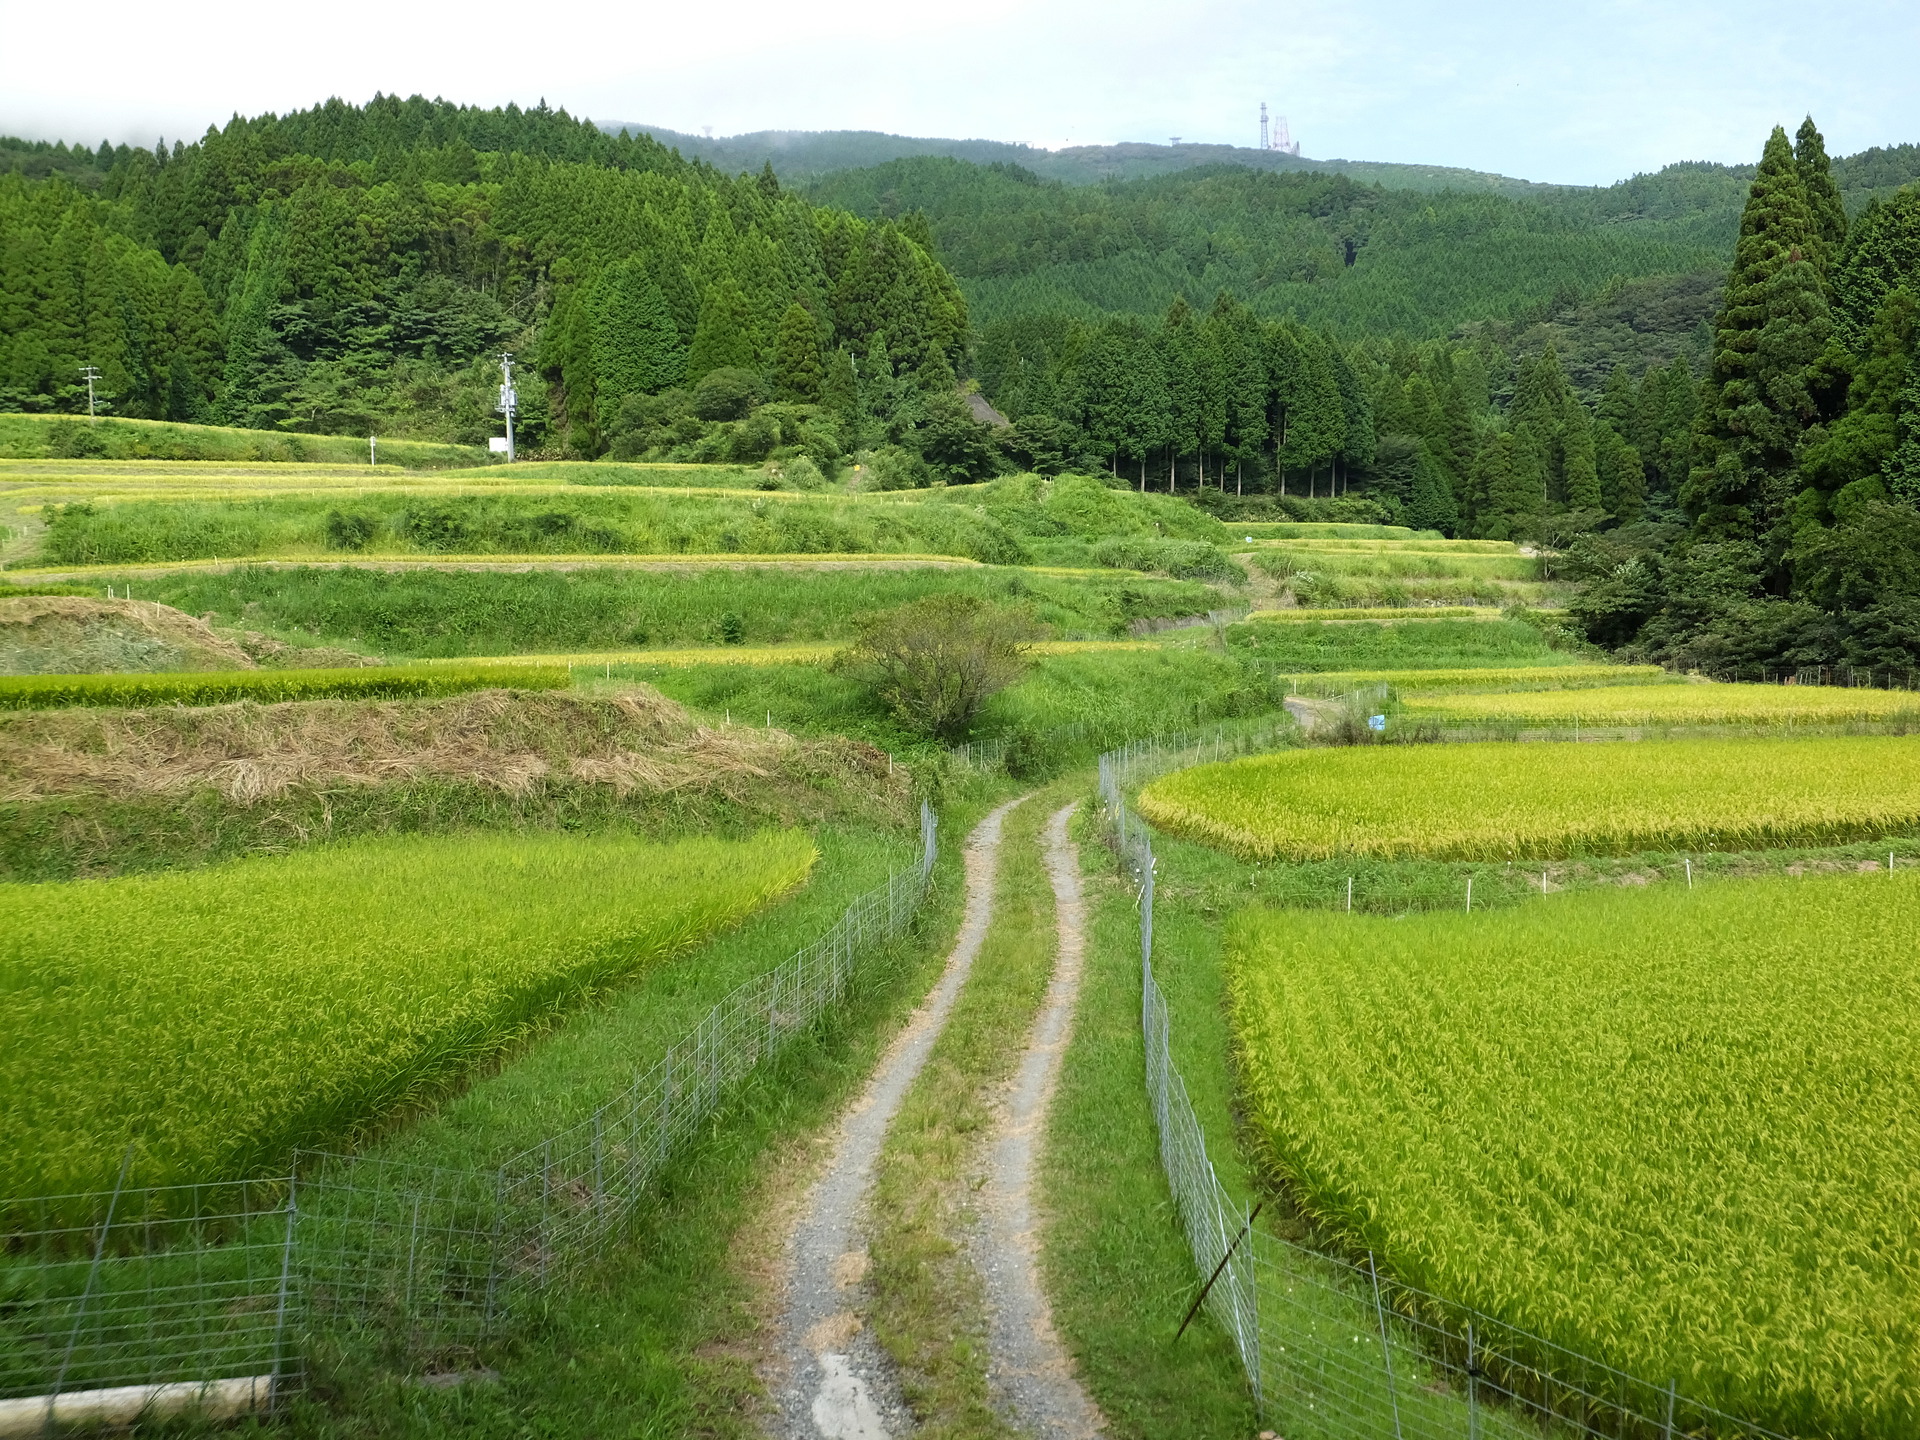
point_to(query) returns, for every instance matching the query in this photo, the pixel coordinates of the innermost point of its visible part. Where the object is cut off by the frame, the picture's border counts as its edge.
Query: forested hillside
(1321, 248)
(351, 269)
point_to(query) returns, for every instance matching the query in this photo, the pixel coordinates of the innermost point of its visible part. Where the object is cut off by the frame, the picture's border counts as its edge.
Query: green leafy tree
(1882, 254)
(935, 662)
(1828, 210)
(724, 337)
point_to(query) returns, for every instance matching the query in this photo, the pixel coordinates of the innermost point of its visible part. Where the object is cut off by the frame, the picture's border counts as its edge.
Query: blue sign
(1376, 722)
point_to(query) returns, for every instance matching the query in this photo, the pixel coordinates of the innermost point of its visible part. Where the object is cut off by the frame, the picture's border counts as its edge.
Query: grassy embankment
(1411, 643)
(1397, 573)
(442, 613)
(101, 792)
(73, 438)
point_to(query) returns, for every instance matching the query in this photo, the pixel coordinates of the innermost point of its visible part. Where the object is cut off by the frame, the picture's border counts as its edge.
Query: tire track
(837, 1384)
(1031, 1373)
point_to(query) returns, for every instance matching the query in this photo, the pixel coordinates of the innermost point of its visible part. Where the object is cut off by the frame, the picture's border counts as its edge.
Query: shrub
(936, 661)
(349, 530)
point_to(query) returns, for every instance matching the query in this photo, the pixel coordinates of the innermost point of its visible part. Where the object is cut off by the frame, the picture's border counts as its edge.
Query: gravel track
(838, 1385)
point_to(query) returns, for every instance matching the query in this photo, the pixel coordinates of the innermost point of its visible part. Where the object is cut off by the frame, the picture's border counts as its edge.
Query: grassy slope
(27, 436)
(1064, 712)
(448, 613)
(1410, 644)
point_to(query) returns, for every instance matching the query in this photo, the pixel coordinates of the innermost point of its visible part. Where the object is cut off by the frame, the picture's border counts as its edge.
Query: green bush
(383, 682)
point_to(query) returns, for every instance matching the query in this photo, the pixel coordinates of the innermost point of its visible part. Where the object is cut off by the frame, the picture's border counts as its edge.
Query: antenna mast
(1263, 124)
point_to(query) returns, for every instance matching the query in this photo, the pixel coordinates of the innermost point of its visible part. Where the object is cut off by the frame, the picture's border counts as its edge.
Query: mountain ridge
(803, 154)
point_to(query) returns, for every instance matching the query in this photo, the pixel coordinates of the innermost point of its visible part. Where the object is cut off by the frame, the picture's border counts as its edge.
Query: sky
(1576, 93)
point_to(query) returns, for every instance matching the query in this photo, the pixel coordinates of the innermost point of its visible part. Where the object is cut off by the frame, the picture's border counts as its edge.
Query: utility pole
(509, 401)
(89, 374)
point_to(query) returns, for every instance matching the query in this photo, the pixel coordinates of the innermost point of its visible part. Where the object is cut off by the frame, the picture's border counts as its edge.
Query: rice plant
(1697, 704)
(1669, 1128)
(215, 1019)
(1494, 801)
(371, 682)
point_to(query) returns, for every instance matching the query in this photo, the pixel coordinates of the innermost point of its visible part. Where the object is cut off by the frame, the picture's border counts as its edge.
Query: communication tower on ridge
(1276, 136)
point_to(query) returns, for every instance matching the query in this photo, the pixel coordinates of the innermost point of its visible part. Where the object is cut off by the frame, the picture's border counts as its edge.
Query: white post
(373, 453)
(1469, 894)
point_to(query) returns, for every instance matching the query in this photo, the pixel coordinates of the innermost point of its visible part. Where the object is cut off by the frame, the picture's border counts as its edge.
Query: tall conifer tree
(797, 370)
(1773, 325)
(1823, 196)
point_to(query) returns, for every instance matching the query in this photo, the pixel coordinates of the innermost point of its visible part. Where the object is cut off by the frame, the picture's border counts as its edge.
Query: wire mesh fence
(108, 1302)
(1332, 1348)
(210, 1297)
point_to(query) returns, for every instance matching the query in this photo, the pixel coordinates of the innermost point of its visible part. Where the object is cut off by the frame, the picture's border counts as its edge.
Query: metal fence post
(1386, 1349)
(286, 1274)
(86, 1293)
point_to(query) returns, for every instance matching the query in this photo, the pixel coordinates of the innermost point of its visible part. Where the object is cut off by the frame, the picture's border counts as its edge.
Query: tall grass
(217, 1018)
(1669, 1128)
(447, 613)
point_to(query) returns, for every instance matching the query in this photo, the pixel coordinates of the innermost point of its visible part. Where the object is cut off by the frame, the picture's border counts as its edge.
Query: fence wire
(1331, 1347)
(210, 1297)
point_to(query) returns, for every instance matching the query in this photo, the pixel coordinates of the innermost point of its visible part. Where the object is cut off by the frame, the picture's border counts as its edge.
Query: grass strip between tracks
(928, 1307)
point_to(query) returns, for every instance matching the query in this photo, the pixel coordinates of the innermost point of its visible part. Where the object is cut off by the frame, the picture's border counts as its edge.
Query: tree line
(1797, 538)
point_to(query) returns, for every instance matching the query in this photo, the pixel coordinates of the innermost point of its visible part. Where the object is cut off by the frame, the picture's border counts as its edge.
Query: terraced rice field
(1423, 684)
(1673, 1129)
(1495, 801)
(215, 1019)
(1682, 704)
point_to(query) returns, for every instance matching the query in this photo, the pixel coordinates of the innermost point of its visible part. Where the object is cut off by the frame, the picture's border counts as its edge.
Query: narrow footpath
(837, 1385)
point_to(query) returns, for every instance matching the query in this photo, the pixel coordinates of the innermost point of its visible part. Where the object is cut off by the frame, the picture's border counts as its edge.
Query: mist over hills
(804, 154)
